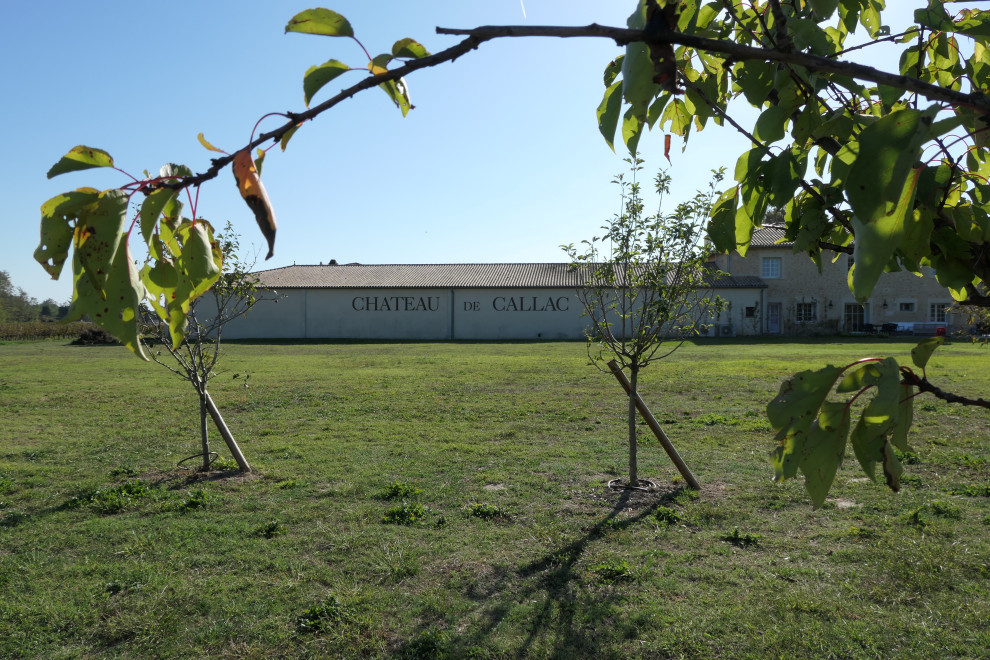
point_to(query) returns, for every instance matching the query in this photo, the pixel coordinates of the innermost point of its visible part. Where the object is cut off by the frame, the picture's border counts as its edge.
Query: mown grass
(493, 458)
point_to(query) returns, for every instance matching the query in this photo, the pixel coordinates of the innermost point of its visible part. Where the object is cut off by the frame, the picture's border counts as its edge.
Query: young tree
(890, 166)
(195, 357)
(648, 284)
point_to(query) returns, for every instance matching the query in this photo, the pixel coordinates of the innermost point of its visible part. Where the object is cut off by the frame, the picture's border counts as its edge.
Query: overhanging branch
(621, 36)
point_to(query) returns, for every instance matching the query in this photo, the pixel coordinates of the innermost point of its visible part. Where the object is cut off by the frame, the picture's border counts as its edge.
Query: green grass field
(428, 500)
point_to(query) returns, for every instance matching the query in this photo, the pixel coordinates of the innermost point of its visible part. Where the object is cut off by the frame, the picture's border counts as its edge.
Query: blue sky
(500, 161)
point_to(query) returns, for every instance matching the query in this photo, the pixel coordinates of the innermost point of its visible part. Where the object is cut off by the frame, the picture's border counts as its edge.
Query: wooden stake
(227, 435)
(651, 421)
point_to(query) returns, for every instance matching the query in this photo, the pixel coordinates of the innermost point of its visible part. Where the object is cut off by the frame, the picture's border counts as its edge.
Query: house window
(771, 267)
(907, 306)
(854, 317)
(938, 311)
(751, 312)
(807, 312)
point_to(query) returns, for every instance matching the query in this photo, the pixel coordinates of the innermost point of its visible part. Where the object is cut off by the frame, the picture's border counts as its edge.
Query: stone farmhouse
(772, 291)
(798, 300)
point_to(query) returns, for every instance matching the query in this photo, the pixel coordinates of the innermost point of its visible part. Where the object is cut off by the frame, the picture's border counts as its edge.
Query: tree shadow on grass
(558, 624)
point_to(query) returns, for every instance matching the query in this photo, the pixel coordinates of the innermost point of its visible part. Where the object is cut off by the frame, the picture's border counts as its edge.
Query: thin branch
(623, 36)
(923, 385)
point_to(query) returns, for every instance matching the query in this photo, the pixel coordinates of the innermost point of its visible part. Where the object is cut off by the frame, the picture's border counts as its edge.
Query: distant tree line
(17, 306)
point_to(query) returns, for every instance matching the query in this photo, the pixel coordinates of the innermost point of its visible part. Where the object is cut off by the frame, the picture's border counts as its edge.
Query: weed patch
(430, 644)
(946, 510)
(972, 490)
(196, 499)
(269, 530)
(398, 490)
(112, 500)
(323, 617)
(487, 511)
(406, 513)
(13, 518)
(613, 570)
(742, 540)
(667, 516)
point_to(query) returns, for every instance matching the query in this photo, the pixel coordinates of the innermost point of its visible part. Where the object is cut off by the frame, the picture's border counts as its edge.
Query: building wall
(798, 287)
(414, 314)
(428, 314)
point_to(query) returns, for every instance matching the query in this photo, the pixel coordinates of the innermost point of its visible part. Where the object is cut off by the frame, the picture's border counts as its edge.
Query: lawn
(434, 500)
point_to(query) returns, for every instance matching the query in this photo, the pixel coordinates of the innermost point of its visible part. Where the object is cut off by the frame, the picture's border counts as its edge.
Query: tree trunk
(633, 467)
(204, 429)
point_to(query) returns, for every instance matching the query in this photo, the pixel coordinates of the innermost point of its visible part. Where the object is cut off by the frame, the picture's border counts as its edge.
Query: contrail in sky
(523, 8)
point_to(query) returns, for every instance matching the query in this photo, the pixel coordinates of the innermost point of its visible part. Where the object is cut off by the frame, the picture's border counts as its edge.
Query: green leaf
(722, 226)
(905, 416)
(259, 160)
(152, 208)
(808, 35)
(876, 241)
(317, 76)
(56, 230)
(792, 412)
(197, 267)
(608, 113)
(409, 48)
(823, 451)
(638, 88)
(770, 124)
(399, 93)
(115, 308)
(879, 417)
(632, 128)
(855, 380)
(320, 21)
(679, 118)
(881, 186)
(284, 142)
(174, 171)
(98, 235)
(81, 158)
(824, 8)
(921, 353)
(892, 469)
(613, 69)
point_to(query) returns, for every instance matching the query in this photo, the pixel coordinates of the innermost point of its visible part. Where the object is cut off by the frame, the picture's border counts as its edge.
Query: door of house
(855, 317)
(773, 318)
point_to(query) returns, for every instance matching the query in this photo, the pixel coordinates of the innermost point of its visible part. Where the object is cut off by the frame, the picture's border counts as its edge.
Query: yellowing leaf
(202, 141)
(255, 196)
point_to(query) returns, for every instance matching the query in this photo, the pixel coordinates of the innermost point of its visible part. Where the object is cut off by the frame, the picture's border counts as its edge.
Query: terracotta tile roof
(770, 236)
(443, 276)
